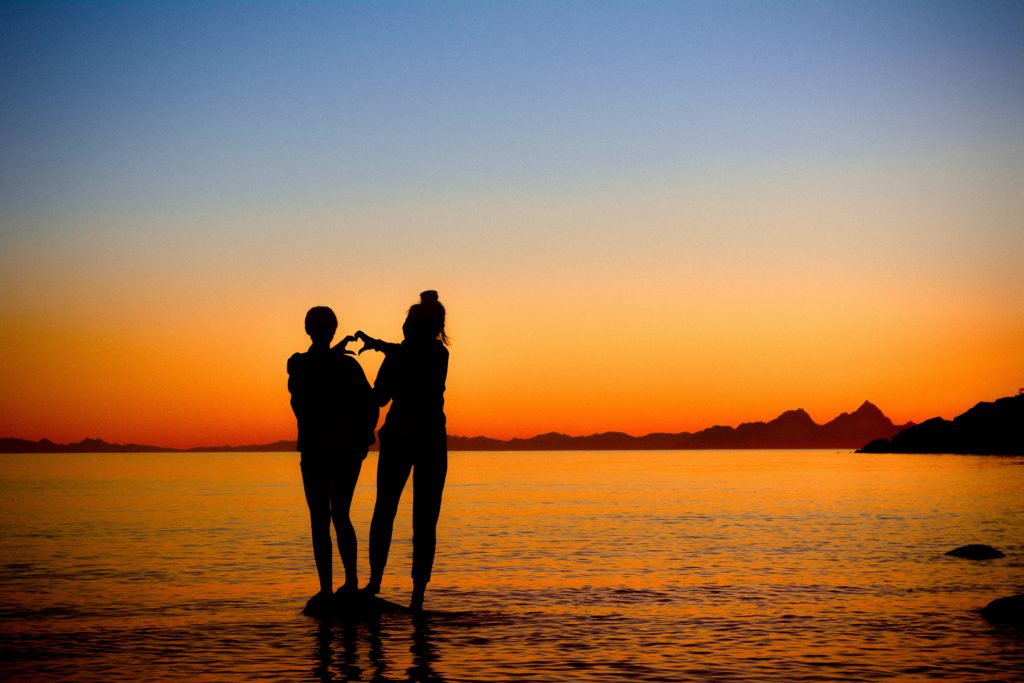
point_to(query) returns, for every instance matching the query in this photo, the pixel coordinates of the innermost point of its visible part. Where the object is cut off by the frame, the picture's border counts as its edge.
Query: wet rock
(976, 551)
(353, 606)
(318, 606)
(360, 604)
(1005, 610)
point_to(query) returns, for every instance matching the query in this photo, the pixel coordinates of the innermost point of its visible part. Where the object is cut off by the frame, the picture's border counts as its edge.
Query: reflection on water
(351, 650)
(645, 566)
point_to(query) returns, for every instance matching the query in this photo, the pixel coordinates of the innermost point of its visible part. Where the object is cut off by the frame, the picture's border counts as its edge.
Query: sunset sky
(641, 216)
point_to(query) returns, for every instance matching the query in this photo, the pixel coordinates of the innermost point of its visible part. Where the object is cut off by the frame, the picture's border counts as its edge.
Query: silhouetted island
(791, 429)
(989, 428)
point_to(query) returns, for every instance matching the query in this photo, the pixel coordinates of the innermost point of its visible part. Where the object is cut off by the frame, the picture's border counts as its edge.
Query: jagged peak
(797, 415)
(867, 414)
(868, 407)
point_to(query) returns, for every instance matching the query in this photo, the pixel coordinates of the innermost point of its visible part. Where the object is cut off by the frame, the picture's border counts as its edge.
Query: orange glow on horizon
(659, 355)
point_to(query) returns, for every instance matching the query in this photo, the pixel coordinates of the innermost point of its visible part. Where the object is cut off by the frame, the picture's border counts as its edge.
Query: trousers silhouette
(428, 475)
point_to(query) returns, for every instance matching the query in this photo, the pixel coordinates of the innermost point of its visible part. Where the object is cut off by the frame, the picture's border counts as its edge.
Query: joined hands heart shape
(358, 336)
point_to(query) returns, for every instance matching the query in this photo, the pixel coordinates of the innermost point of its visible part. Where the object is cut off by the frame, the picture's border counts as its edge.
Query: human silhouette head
(425, 320)
(321, 324)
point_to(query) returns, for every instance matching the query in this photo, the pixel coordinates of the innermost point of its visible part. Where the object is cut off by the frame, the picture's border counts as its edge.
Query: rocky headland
(989, 428)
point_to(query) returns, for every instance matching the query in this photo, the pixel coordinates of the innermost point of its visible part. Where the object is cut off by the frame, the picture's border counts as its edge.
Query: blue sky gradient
(849, 167)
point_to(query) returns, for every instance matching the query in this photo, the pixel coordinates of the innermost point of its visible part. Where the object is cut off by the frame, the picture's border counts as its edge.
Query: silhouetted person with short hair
(413, 439)
(336, 417)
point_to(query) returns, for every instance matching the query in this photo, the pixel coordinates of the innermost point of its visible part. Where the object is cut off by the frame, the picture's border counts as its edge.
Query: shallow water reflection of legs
(424, 651)
(342, 646)
(346, 663)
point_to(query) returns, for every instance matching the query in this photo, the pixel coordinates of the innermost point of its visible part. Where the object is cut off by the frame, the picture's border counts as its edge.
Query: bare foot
(416, 603)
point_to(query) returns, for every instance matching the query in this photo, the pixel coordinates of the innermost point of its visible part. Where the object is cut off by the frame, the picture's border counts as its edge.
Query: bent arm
(295, 383)
(384, 385)
(375, 344)
(340, 346)
(365, 401)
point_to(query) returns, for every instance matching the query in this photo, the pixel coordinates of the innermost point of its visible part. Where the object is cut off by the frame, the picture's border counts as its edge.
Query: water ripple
(643, 567)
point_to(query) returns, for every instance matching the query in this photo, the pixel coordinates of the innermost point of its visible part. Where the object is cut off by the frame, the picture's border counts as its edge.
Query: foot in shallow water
(372, 588)
(416, 603)
(318, 605)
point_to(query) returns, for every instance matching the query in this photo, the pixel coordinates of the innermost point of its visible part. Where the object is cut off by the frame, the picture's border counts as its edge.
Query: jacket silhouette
(332, 402)
(412, 377)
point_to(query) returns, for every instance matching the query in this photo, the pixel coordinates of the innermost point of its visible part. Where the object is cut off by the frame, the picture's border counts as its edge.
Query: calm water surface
(606, 566)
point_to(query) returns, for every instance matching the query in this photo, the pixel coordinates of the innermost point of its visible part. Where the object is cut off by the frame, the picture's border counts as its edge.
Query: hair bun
(428, 297)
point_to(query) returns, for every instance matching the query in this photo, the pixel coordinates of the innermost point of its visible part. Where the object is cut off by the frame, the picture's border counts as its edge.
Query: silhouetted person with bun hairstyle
(336, 417)
(412, 439)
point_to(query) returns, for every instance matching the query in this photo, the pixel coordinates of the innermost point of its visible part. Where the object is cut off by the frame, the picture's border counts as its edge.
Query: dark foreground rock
(976, 551)
(1005, 610)
(356, 606)
(995, 428)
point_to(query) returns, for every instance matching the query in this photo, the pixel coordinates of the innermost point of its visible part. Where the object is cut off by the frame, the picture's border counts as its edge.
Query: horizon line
(510, 440)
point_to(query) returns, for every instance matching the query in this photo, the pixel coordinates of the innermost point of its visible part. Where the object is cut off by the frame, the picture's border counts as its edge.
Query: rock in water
(360, 604)
(318, 606)
(1005, 610)
(976, 551)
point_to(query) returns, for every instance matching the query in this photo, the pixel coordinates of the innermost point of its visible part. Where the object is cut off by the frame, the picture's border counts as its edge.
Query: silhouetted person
(336, 417)
(413, 439)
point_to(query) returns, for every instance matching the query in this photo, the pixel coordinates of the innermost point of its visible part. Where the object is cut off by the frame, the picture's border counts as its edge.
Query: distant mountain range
(989, 428)
(791, 429)
(9, 445)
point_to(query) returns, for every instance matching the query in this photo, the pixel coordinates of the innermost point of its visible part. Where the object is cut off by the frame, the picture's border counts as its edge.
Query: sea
(770, 565)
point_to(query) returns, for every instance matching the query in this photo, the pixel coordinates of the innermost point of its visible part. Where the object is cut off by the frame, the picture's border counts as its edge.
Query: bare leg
(340, 505)
(318, 485)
